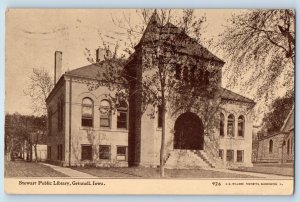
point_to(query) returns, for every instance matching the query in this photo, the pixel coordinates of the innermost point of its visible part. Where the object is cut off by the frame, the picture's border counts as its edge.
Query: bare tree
(260, 49)
(168, 74)
(40, 85)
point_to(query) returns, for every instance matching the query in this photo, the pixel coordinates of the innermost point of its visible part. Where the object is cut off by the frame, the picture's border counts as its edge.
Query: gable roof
(175, 36)
(230, 95)
(289, 121)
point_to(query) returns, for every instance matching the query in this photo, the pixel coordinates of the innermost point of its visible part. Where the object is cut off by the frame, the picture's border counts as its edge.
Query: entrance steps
(188, 159)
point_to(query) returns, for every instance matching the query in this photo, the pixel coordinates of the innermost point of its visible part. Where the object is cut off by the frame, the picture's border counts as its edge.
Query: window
(241, 126)
(60, 114)
(49, 152)
(230, 126)
(221, 153)
(60, 152)
(86, 152)
(160, 118)
(122, 115)
(240, 156)
(105, 113)
(104, 152)
(87, 113)
(222, 120)
(49, 122)
(288, 147)
(271, 146)
(121, 153)
(229, 155)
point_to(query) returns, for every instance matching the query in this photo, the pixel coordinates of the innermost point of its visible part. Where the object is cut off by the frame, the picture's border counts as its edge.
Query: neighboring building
(278, 147)
(83, 130)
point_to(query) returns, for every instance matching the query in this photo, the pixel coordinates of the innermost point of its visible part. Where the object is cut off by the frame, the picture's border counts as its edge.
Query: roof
(288, 125)
(90, 71)
(96, 70)
(175, 36)
(230, 95)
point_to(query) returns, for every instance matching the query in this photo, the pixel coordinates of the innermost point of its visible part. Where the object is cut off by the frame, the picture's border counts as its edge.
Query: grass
(276, 169)
(29, 169)
(139, 172)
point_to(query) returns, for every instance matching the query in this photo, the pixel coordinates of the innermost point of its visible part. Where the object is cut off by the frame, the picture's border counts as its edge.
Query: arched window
(105, 113)
(222, 120)
(230, 126)
(241, 126)
(87, 112)
(271, 146)
(122, 115)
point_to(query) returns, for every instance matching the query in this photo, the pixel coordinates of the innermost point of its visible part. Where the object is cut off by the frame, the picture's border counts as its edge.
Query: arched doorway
(189, 132)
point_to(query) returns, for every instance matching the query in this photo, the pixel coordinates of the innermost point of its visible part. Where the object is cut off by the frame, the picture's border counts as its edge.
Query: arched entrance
(189, 132)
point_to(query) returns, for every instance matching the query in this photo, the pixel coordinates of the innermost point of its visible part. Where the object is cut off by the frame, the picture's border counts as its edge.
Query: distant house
(83, 130)
(278, 147)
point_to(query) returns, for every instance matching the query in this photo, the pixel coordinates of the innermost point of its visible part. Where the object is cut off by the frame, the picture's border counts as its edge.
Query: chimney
(101, 54)
(57, 66)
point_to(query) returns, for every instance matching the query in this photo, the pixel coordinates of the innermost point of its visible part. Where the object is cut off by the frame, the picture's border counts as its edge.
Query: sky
(33, 35)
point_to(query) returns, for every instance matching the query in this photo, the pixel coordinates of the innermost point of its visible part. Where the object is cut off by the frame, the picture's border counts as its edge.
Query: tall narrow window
(221, 153)
(241, 126)
(229, 155)
(160, 117)
(222, 120)
(61, 114)
(271, 146)
(240, 155)
(58, 116)
(87, 113)
(230, 126)
(49, 122)
(122, 115)
(105, 113)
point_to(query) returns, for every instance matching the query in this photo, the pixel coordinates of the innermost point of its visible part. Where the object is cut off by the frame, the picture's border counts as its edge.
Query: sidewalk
(68, 171)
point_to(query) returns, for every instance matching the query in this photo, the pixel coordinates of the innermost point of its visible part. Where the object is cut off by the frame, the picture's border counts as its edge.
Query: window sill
(234, 138)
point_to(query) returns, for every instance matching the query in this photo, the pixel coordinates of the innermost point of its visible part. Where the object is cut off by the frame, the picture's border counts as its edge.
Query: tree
(279, 110)
(22, 134)
(260, 49)
(40, 85)
(166, 75)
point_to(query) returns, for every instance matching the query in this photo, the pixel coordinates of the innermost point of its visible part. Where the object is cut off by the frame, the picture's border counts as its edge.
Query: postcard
(150, 101)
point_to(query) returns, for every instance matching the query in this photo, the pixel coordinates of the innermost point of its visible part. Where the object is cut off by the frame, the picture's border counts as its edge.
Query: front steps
(188, 159)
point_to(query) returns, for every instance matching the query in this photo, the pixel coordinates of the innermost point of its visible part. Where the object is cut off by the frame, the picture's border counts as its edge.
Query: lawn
(276, 169)
(29, 169)
(154, 173)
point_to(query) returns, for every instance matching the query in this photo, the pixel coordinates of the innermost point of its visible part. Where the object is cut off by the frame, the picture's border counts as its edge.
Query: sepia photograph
(149, 101)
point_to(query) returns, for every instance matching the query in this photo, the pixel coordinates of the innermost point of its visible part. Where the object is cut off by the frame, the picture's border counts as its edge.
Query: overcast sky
(32, 37)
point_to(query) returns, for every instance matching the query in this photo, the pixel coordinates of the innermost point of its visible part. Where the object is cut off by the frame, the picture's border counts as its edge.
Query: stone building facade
(83, 132)
(278, 147)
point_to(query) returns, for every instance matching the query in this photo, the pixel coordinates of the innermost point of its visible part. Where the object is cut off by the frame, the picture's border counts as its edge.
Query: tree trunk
(35, 153)
(162, 148)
